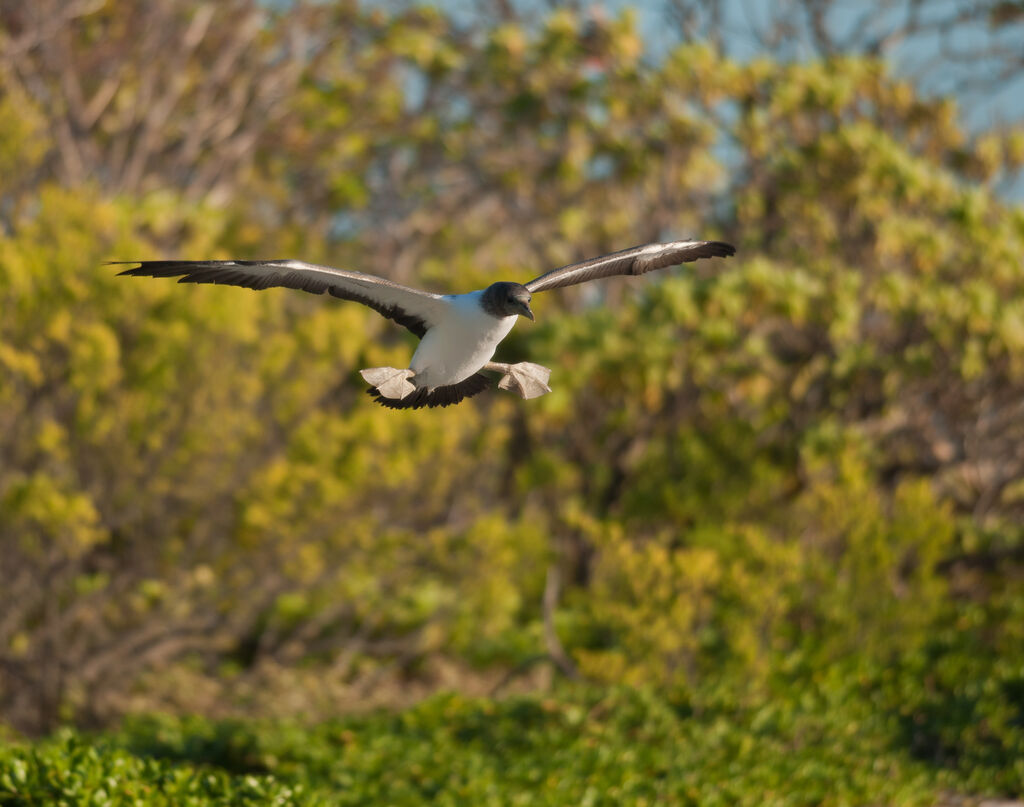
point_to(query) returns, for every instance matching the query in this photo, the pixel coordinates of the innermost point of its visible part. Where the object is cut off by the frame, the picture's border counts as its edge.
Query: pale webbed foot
(389, 381)
(527, 379)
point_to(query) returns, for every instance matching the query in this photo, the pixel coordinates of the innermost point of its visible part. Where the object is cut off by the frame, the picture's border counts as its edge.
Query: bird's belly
(452, 352)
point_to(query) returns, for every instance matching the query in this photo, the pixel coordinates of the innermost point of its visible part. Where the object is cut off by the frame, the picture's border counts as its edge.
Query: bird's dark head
(506, 300)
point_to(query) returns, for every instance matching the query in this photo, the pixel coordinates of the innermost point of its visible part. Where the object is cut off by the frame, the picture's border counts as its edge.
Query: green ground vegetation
(607, 747)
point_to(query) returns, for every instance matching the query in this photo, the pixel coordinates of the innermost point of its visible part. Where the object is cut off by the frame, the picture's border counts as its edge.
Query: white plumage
(461, 344)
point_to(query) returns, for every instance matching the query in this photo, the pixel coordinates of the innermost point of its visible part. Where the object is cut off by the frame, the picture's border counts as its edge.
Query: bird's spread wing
(632, 261)
(411, 308)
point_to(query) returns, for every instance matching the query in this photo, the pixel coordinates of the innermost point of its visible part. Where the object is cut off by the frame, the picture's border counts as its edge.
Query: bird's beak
(525, 309)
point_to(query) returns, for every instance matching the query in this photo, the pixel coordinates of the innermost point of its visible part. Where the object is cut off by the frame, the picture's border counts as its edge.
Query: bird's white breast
(461, 344)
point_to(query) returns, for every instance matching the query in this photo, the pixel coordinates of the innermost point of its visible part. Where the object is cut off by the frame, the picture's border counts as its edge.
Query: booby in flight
(458, 332)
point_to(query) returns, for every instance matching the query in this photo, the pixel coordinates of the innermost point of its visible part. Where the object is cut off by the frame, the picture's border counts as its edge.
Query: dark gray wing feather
(632, 261)
(411, 308)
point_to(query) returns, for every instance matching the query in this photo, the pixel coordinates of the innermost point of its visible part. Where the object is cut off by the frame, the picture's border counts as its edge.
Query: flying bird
(458, 332)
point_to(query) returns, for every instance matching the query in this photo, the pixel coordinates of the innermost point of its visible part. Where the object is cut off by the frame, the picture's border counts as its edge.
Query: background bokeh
(795, 474)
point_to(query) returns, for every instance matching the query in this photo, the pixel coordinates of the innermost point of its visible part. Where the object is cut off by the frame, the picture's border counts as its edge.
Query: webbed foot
(527, 379)
(389, 381)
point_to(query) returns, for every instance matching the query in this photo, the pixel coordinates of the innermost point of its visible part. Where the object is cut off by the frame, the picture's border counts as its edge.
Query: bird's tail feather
(439, 396)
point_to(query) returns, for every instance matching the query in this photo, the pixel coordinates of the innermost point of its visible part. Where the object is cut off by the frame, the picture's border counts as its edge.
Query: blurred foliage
(801, 466)
(609, 747)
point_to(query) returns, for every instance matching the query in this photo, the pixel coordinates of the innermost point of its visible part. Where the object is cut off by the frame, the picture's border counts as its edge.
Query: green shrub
(827, 743)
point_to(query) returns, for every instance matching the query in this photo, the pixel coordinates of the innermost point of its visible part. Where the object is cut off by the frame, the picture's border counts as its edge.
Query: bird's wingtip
(722, 249)
(132, 266)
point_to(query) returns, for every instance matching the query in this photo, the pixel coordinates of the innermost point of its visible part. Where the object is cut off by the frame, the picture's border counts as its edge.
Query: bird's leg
(525, 378)
(389, 381)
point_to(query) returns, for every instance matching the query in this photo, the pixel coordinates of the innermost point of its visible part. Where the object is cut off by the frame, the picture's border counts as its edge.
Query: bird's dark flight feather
(400, 304)
(632, 261)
